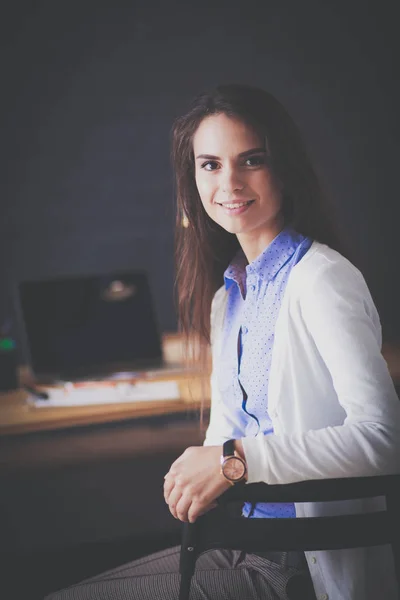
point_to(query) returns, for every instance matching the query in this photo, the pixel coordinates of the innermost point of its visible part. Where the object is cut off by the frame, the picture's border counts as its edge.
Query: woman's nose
(231, 182)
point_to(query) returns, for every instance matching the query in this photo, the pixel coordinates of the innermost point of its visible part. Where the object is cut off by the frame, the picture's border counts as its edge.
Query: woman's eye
(251, 161)
(210, 165)
(254, 161)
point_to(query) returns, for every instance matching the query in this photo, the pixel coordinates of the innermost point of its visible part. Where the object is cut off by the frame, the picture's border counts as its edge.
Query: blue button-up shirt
(255, 293)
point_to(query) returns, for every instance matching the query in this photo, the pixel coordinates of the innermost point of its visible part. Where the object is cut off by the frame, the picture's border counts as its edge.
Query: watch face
(234, 468)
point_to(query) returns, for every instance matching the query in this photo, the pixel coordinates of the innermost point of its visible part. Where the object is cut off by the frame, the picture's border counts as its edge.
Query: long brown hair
(203, 249)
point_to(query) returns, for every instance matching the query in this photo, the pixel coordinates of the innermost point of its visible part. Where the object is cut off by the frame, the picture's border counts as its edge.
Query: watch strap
(228, 448)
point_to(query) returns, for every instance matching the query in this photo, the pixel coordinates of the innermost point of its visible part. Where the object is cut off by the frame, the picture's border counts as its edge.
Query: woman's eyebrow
(241, 155)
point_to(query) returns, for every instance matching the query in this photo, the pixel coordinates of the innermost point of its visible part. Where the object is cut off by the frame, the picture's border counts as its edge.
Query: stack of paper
(76, 395)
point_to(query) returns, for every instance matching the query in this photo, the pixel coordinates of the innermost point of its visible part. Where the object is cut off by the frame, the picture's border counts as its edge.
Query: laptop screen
(83, 325)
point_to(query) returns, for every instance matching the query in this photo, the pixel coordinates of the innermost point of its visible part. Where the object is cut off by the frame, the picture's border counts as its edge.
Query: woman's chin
(234, 227)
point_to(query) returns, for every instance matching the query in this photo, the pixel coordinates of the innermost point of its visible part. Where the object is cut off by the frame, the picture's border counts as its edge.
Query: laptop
(90, 327)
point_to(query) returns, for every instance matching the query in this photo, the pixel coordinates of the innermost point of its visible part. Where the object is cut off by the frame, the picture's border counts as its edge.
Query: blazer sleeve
(338, 312)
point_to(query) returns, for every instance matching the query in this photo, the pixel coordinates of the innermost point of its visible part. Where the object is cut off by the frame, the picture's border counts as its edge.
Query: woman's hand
(194, 481)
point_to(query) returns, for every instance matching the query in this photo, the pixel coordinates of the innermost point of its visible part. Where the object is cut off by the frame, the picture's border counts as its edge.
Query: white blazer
(333, 406)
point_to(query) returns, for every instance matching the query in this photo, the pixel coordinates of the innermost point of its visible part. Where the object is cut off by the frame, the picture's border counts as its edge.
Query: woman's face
(236, 187)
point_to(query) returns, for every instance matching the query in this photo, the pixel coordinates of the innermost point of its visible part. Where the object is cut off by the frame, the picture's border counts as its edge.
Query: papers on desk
(142, 391)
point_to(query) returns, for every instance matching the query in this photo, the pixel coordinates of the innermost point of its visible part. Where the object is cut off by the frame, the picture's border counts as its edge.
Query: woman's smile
(236, 208)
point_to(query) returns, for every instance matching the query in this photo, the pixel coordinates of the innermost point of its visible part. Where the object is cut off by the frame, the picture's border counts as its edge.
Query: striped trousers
(219, 575)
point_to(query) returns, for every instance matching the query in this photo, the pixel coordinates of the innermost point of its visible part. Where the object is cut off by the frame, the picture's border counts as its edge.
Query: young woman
(300, 389)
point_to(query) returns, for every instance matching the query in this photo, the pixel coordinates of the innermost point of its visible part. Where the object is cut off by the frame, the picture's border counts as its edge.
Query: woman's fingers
(193, 482)
(187, 509)
(182, 508)
(197, 509)
(173, 499)
(169, 483)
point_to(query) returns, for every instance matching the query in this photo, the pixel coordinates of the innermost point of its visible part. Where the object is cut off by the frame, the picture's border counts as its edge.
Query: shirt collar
(236, 271)
(268, 263)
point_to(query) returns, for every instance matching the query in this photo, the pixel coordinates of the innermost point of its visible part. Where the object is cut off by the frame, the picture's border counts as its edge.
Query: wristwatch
(233, 467)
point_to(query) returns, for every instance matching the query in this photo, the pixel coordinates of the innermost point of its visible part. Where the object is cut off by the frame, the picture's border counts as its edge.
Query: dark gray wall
(89, 94)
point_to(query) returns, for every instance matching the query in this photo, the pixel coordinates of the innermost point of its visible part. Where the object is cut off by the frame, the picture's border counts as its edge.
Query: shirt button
(252, 287)
(313, 560)
(244, 329)
(323, 597)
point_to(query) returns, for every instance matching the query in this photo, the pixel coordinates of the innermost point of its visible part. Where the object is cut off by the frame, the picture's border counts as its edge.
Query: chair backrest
(218, 529)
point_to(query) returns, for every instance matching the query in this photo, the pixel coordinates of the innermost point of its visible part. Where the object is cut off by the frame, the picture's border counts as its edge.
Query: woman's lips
(241, 208)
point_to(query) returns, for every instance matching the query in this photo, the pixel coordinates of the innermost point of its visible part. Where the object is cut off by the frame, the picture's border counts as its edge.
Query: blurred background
(89, 92)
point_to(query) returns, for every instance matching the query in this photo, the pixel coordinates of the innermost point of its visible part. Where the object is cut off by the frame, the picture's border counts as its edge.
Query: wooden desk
(64, 486)
(17, 416)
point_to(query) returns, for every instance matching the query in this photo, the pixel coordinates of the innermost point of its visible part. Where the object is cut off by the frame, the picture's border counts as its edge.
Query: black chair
(220, 529)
